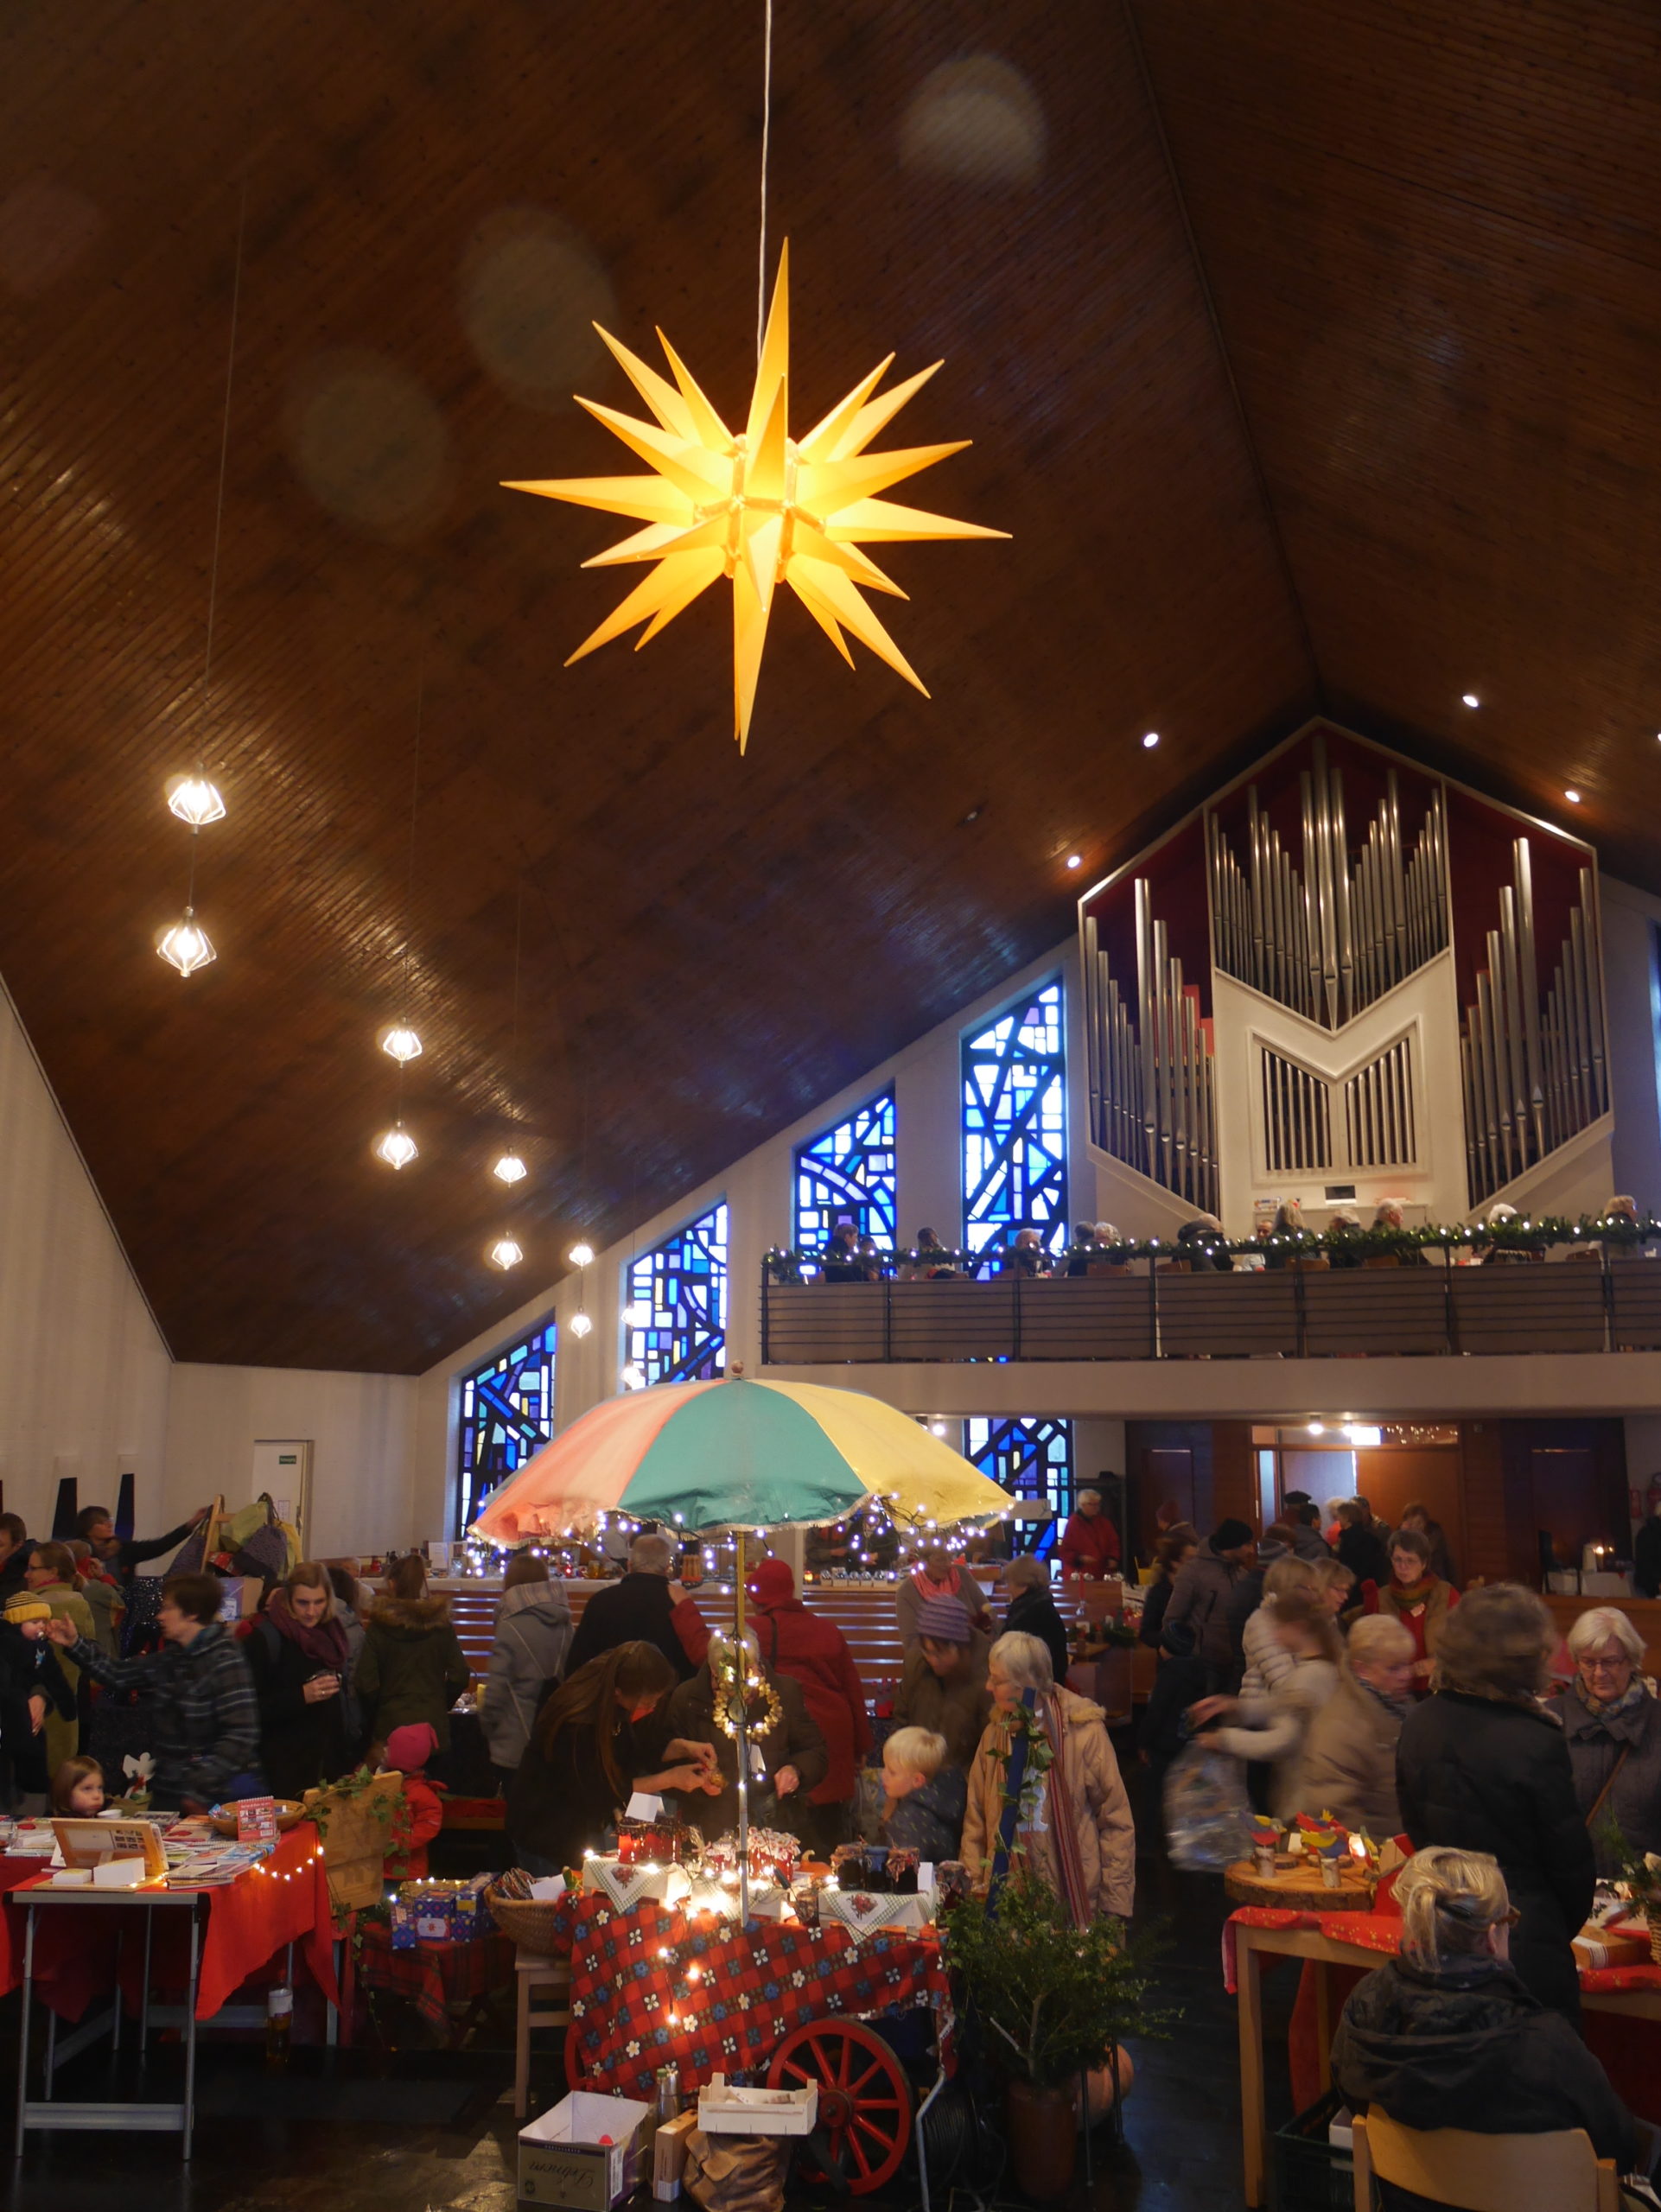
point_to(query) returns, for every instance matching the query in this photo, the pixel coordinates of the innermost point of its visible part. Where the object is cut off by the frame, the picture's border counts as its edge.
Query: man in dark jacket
(1032, 1610)
(204, 1715)
(1196, 1620)
(642, 1608)
(124, 1557)
(788, 1759)
(32, 1684)
(1482, 1766)
(1303, 1516)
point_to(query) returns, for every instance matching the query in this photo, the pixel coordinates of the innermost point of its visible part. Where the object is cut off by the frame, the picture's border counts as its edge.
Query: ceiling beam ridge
(1133, 33)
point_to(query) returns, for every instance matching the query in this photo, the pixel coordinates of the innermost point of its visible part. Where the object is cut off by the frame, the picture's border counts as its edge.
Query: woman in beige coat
(1083, 1842)
(1348, 1767)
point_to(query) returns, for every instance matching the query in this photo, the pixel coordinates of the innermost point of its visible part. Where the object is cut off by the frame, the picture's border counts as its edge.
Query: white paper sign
(641, 1807)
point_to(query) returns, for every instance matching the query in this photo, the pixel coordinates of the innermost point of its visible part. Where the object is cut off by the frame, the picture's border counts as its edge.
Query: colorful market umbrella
(738, 1454)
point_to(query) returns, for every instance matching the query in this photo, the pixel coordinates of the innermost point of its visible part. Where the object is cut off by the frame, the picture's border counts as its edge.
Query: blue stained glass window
(1015, 1125)
(1030, 1455)
(847, 1174)
(507, 1413)
(675, 1325)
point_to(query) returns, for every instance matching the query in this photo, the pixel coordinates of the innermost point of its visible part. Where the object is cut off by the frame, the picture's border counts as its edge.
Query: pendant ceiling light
(504, 1254)
(757, 507)
(185, 945)
(579, 1324)
(399, 1042)
(510, 1168)
(398, 1147)
(580, 1255)
(193, 798)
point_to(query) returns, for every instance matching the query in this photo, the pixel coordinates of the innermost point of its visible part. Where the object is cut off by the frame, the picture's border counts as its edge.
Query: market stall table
(1352, 1940)
(660, 1984)
(206, 1941)
(432, 1976)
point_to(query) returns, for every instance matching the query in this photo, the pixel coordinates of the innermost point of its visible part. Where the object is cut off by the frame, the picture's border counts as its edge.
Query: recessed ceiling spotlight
(1574, 797)
(1470, 699)
(1073, 860)
(1150, 740)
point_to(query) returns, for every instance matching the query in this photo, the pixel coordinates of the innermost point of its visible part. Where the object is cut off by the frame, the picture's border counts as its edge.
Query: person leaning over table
(1482, 1765)
(204, 1715)
(1085, 1848)
(943, 1681)
(598, 1738)
(1613, 1727)
(1446, 2035)
(413, 1667)
(788, 1760)
(1348, 1765)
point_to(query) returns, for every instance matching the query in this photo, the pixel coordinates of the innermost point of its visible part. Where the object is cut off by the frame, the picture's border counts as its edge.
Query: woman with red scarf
(298, 1657)
(939, 1576)
(814, 1653)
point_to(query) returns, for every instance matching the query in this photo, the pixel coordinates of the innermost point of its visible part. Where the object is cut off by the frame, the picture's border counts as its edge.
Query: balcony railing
(1592, 1302)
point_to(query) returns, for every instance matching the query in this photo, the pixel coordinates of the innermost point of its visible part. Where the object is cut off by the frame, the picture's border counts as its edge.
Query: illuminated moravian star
(759, 507)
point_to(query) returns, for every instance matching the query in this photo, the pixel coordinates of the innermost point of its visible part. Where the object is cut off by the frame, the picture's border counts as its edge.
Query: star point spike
(759, 509)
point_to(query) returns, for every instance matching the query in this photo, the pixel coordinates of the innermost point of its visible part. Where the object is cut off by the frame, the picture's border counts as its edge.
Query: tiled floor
(1182, 2152)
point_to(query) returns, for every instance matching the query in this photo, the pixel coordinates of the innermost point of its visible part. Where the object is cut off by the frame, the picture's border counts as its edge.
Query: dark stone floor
(427, 2132)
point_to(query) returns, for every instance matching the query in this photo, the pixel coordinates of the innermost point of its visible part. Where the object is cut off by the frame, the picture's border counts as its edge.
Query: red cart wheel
(864, 2097)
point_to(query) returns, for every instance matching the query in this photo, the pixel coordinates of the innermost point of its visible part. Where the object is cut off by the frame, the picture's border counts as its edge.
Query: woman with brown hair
(299, 1658)
(1271, 1728)
(1482, 1766)
(413, 1667)
(589, 1751)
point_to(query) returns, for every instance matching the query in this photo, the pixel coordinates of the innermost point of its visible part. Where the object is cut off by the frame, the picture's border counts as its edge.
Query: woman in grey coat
(533, 1634)
(1613, 1727)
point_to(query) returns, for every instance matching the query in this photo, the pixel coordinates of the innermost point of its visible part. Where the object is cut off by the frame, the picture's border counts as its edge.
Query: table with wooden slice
(1297, 1885)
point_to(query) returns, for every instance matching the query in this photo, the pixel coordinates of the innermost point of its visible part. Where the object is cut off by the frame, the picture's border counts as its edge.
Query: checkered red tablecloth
(659, 1984)
(432, 1976)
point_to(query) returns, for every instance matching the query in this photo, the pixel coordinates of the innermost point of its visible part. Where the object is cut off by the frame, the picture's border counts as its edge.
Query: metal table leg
(22, 2038)
(190, 2027)
(144, 1994)
(115, 2030)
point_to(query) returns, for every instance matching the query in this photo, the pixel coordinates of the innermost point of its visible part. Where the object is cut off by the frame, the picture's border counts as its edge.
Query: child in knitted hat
(421, 1815)
(31, 1680)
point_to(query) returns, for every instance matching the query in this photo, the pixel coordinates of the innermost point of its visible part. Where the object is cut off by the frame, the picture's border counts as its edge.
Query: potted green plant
(1641, 1871)
(1053, 2002)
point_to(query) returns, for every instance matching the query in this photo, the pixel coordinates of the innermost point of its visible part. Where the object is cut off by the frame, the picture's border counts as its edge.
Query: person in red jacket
(1089, 1542)
(814, 1653)
(419, 1816)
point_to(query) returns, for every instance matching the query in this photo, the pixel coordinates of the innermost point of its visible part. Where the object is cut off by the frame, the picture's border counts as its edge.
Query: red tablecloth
(657, 1984)
(283, 1900)
(433, 1976)
(1629, 2048)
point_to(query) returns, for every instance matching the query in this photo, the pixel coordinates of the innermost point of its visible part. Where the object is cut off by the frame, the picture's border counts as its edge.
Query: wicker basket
(1655, 1936)
(531, 1921)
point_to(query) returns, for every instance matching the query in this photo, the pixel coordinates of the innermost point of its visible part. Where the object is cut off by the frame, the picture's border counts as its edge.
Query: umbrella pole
(742, 1684)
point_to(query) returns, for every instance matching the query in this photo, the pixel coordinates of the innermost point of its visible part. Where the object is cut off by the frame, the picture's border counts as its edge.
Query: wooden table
(1299, 1887)
(1253, 1944)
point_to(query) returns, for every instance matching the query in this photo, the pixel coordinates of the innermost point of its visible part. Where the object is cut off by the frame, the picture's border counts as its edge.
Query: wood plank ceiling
(1308, 355)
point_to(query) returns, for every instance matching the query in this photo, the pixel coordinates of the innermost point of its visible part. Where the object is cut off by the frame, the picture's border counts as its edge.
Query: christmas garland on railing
(787, 1264)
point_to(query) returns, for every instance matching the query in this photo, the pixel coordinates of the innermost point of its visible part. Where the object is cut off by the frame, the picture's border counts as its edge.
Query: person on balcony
(939, 1576)
(1027, 1256)
(931, 1262)
(841, 1261)
(1288, 1224)
(1203, 1242)
(1090, 1543)
(1082, 1250)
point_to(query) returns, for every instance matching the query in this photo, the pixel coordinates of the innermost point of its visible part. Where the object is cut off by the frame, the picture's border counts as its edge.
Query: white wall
(83, 1365)
(361, 1428)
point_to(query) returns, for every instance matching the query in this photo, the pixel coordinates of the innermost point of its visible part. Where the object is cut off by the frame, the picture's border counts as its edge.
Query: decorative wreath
(749, 1700)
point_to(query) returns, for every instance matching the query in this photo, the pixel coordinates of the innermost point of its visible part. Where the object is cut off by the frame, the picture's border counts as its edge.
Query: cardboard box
(562, 2161)
(669, 2156)
(1615, 1943)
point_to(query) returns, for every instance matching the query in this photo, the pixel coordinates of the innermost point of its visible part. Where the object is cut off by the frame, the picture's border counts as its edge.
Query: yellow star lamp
(759, 507)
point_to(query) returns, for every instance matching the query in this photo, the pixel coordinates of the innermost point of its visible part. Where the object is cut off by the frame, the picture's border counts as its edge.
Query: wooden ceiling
(1309, 355)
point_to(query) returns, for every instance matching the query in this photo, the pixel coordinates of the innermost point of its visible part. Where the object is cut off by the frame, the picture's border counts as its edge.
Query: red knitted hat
(771, 1582)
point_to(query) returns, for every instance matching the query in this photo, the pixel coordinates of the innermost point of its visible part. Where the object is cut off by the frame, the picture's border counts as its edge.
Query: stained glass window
(847, 1174)
(507, 1413)
(1030, 1455)
(1015, 1130)
(675, 1323)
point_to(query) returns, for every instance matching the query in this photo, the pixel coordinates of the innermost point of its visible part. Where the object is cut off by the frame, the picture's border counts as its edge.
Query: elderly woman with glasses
(1613, 1727)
